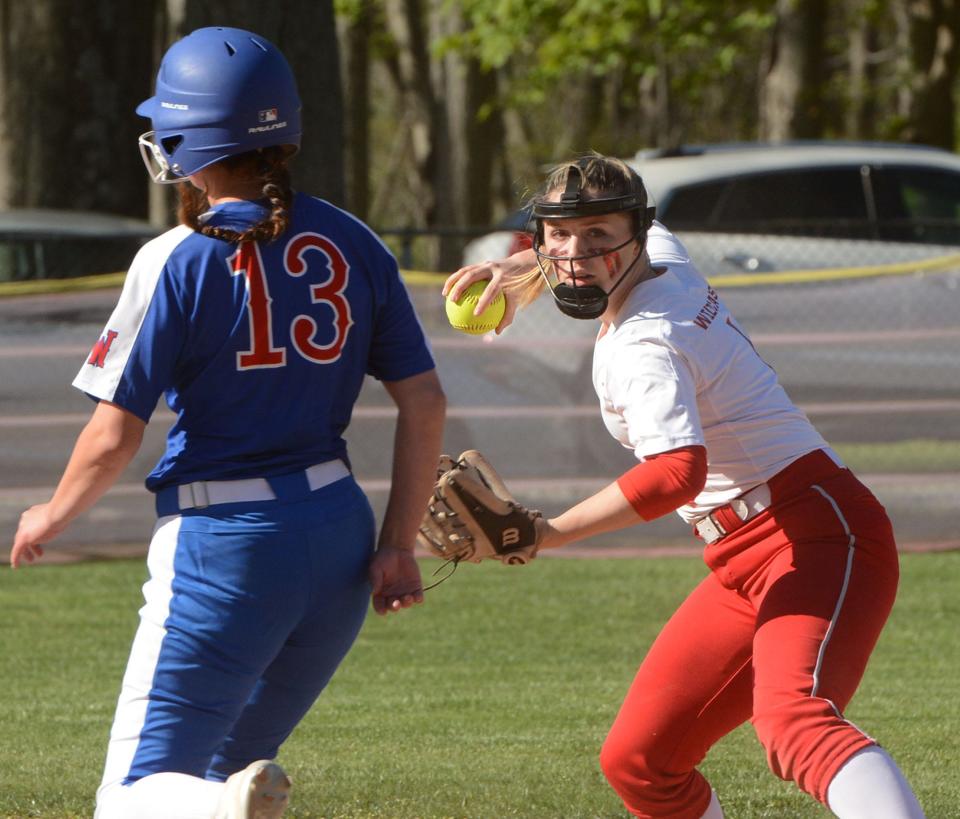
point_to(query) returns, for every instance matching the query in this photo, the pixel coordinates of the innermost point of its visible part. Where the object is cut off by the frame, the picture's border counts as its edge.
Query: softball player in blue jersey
(257, 319)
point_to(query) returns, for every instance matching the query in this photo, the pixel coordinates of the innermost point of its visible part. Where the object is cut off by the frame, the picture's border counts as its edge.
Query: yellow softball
(460, 312)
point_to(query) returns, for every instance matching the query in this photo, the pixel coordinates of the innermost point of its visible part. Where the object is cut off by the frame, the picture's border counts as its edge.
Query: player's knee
(629, 757)
(644, 786)
(620, 766)
(802, 739)
(648, 789)
(780, 746)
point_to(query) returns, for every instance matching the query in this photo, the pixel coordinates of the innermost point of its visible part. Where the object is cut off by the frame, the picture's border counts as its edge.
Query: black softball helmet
(587, 301)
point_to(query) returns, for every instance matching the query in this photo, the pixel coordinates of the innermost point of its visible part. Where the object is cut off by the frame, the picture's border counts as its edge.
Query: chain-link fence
(871, 353)
(873, 360)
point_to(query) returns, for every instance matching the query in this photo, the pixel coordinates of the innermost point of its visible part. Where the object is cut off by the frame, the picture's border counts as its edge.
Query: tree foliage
(444, 111)
(679, 49)
(599, 36)
(567, 76)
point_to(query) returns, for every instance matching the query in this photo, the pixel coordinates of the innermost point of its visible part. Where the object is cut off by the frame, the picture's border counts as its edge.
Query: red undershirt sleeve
(666, 481)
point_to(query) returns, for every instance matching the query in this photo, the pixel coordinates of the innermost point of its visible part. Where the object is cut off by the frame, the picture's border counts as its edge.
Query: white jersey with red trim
(674, 369)
(260, 350)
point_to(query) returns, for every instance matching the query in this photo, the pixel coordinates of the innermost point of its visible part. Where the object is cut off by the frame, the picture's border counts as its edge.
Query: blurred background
(433, 119)
(804, 150)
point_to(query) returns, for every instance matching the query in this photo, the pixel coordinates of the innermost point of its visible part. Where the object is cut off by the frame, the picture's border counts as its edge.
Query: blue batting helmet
(220, 92)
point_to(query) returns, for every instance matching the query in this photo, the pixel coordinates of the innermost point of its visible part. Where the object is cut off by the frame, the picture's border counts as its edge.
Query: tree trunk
(426, 120)
(928, 102)
(791, 104)
(483, 143)
(168, 22)
(305, 31)
(356, 36)
(861, 105)
(71, 75)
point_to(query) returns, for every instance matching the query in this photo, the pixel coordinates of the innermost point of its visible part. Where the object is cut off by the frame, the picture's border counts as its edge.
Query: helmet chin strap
(588, 301)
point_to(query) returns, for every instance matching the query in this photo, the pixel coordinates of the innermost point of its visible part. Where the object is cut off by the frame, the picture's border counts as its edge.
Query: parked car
(758, 207)
(39, 243)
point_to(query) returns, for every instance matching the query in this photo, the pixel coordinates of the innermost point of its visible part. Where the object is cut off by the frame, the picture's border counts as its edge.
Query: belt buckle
(710, 529)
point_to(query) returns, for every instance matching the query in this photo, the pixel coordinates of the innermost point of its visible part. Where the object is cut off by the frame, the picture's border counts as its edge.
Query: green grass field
(491, 700)
(921, 455)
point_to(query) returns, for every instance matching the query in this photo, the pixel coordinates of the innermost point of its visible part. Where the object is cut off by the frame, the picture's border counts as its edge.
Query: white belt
(200, 494)
(747, 506)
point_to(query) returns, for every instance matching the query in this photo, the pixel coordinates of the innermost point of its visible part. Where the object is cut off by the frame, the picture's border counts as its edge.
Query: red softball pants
(778, 633)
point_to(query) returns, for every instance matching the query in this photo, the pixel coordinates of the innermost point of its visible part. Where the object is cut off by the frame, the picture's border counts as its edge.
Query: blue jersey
(261, 348)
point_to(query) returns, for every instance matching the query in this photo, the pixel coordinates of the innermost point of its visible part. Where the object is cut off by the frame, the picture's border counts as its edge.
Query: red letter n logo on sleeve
(99, 352)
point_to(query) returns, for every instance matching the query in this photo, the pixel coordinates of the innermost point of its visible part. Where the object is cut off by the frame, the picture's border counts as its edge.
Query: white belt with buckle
(747, 506)
(200, 494)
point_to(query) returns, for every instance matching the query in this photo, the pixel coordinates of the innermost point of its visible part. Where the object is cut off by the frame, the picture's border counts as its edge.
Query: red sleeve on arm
(666, 481)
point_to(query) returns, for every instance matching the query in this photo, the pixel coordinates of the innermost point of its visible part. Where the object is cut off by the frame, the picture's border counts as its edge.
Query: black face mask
(587, 301)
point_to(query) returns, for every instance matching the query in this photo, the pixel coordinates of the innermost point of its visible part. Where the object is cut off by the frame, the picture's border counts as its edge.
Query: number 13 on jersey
(303, 329)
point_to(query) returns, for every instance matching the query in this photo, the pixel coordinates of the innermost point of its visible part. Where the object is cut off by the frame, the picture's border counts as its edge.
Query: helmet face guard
(219, 92)
(586, 301)
(156, 162)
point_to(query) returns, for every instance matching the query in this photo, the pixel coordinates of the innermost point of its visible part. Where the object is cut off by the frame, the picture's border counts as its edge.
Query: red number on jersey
(262, 353)
(248, 261)
(330, 292)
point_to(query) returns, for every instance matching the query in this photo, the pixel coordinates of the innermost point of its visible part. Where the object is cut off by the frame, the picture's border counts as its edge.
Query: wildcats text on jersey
(709, 310)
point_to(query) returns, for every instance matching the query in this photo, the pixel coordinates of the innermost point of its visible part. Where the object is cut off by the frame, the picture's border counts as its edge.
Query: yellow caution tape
(935, 265)
(421, 278)
(37, 287)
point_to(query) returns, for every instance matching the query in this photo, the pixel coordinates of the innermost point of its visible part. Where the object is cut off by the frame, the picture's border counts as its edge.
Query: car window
(691, 207)
(816, 202)
(918, 204)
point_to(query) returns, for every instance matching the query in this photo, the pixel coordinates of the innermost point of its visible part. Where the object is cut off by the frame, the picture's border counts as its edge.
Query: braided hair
(269, 166)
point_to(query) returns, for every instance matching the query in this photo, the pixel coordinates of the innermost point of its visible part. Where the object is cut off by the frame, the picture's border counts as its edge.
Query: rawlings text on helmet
(219, 92)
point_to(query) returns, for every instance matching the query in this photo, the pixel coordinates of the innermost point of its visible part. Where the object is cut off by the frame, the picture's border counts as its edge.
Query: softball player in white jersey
(803, 564)
(257, 319)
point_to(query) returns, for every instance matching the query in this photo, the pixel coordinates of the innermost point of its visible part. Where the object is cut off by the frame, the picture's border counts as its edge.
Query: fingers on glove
(464, 487)
(474, 460)
(437, 531)
(442, 533)
(446, 464)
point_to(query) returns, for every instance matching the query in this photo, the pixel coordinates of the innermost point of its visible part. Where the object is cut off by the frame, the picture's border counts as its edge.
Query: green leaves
(539, 45)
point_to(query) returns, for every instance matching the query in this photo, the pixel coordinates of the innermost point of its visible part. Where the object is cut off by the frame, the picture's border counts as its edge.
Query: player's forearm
(421, 408)
(606, 511)
(104, 448)
(654, 487)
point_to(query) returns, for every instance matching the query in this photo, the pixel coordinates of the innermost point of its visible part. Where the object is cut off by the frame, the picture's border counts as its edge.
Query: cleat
(259, 791)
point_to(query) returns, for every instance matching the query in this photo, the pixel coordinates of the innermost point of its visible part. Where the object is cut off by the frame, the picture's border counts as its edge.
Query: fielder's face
(594, 250)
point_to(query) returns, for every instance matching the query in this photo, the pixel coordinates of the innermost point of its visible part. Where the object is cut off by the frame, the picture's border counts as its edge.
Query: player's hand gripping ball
(460, 312)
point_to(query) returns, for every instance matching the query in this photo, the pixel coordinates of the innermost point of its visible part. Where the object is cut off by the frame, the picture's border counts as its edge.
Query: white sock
(871, 786)
(714, 811)
(160, 796)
